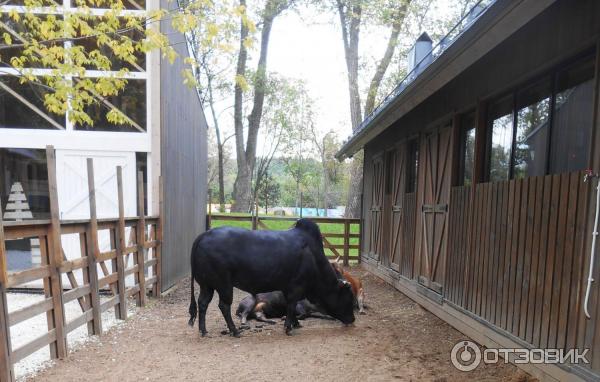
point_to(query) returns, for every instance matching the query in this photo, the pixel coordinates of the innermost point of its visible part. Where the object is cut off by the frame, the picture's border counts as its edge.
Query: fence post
(346, 242)
(92, 251)
(55, 258)
(360, 227)
(6, 367)
(158, 238)
(120, 247)
(141, 240)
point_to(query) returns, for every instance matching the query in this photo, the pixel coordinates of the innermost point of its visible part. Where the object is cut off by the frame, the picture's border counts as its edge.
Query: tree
(109, 39)
(281, 121)
(351, 15)
(269, 192)
(246, 152)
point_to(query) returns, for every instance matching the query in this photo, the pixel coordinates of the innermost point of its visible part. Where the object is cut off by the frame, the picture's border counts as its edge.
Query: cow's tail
(193, 306)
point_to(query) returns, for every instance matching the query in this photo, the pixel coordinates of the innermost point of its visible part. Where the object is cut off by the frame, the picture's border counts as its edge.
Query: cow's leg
(225, 300)
(290, 319)
(361, 301)
(206, 295)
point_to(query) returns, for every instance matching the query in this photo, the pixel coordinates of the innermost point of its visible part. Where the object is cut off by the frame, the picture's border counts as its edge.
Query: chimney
(420, 51)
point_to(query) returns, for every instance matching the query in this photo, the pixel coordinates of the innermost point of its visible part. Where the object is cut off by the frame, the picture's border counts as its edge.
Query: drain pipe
(590, 175)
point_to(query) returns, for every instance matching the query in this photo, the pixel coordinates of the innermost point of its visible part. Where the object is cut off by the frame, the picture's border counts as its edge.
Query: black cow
(291, 261)
(273, 305)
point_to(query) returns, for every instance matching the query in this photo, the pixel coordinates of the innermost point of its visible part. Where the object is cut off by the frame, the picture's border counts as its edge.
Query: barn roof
(487, 24)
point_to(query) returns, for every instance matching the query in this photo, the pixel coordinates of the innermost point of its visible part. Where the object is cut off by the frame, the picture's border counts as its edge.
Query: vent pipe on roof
(419, 55)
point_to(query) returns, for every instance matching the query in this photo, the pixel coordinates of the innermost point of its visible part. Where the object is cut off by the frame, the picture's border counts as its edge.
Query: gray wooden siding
(183, 165)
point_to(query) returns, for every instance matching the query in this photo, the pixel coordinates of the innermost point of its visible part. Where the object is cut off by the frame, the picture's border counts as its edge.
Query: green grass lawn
(277, 225)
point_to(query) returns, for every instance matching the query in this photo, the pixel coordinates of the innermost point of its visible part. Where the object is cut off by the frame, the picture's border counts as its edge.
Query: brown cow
(357, 288)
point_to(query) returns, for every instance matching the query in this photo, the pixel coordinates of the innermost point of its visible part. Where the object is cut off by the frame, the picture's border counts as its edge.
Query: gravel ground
(29, 330)
(396, 339)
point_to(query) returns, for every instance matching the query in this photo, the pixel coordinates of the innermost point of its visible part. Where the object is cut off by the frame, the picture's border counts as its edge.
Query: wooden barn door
(435, 194)
(376, 208)
(397, 214)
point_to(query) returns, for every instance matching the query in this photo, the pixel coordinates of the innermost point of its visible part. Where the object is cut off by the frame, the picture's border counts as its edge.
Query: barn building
(166, 141)
(475, 200)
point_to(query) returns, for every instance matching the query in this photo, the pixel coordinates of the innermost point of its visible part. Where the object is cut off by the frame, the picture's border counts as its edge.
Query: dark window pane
(533, 114)
(131, 101)
(467, 148)
(501, 130)
(16, 114)
(412, 166)
(572, 120)
(23, 172)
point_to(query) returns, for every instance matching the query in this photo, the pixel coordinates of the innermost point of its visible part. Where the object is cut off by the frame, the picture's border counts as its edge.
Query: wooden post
(159, 236)
(6, 367)
(59, 347)
(92, 250)
(346, 242)
(208, 222)
(120, 248)
(141, 239)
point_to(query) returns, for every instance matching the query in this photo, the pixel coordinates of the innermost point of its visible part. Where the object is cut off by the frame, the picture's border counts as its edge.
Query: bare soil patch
(395, 340)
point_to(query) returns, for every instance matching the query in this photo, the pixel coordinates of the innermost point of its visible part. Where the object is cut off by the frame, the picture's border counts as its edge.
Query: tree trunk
(241, 187)
(247, 158)
(350, 33)
(221, 178)
(387, 58)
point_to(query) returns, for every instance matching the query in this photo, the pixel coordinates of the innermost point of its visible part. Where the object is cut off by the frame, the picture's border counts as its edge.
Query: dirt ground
(396, 339)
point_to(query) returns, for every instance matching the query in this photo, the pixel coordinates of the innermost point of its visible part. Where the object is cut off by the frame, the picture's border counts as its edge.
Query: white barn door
(72, 184)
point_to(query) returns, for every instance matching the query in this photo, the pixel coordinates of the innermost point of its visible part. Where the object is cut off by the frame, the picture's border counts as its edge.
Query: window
(131, 101)
(500, 125)
(412, 164)
(16, 102)
(467, 149)
(572, 120)
(544, 127)
(533, 115)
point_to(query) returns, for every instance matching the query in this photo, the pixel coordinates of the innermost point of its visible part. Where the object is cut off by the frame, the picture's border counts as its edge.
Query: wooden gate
(435, 171)
(375, 211)
(398, 190)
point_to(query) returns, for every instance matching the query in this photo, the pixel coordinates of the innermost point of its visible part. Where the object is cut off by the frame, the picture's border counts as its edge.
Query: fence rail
(347, 248)
(137, 256)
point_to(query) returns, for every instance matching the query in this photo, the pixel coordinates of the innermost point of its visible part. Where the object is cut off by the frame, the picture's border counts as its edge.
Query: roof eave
(494, 26)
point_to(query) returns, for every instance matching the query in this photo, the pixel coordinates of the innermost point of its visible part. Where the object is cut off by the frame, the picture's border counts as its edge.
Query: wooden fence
(143, 245)
(346, 250)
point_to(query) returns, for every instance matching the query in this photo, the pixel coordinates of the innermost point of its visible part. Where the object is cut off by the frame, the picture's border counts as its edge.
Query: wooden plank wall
(92, 263)
(521, 266)
(183, 151)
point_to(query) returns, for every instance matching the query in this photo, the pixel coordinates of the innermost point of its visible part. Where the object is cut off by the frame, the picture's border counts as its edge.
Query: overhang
(496, 24)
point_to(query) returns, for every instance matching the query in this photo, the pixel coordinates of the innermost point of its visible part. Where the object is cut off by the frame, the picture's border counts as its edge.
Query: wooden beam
(141, 238)
(92, 251)
(55, 260)
(120, 247)
(6, 367)
(480, 144)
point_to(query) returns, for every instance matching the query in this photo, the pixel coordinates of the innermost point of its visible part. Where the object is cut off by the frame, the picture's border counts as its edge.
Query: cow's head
(339, 303)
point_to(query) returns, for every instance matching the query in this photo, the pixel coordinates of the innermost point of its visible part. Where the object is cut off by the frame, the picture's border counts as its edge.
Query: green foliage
(113, 39)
